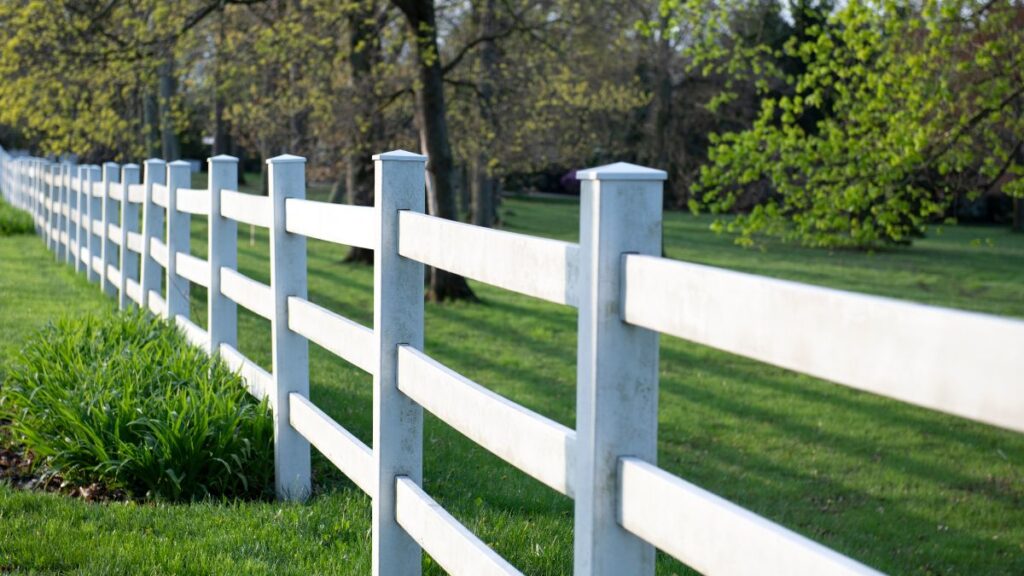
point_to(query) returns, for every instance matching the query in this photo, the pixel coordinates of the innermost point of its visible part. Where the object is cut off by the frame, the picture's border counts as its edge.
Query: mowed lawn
(906, 490)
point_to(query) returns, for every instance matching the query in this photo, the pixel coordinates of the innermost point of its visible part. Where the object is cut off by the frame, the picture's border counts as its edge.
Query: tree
(432, 121)
(365, 21)
(924, 106)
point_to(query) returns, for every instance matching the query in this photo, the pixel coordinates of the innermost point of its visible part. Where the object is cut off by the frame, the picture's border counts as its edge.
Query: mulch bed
(16, 469)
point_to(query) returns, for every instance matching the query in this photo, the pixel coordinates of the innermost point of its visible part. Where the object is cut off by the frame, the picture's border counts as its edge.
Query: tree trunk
(433, 126)
(465, 193)
(482, 182)
(365, 22)
(661, 119)
(483, 187)
(168, 87)
(1018, 203)
(221, 134)
(151, 118)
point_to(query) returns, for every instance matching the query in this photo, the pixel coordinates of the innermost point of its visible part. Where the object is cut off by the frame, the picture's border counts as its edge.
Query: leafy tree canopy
(915, 105)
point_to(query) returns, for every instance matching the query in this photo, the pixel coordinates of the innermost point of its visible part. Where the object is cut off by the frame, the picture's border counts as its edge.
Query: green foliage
(917, 106)
(124, 400)
(14, 221)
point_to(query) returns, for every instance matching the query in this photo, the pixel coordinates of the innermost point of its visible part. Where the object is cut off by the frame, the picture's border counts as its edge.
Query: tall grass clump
(124, 400)
(14, 221)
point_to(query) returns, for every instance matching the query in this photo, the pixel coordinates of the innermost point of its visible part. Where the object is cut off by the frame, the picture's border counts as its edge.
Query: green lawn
(903, 489)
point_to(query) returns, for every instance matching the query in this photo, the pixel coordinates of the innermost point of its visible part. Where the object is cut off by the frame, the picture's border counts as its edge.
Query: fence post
(95, 210)
(617, 370)
(50, 181)
(111, 175)
(52, 235)
(60, 222)
(23, 184)
(179, 175)
(43, 194)
(34, 194)
(290, 350)
(81, 211)
(222, 251)
(128, 262)
(152, 226)
(71, 203)
(397, 319)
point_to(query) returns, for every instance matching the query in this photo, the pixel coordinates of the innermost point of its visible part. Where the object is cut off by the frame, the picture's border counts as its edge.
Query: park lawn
(900, 488)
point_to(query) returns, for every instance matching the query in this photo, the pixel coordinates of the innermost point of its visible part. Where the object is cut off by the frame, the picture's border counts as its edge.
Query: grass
(123, 400)
(14, 221)
(900, 488)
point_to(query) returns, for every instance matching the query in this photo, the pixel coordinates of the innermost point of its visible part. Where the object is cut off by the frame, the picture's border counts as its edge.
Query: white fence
(958, 362)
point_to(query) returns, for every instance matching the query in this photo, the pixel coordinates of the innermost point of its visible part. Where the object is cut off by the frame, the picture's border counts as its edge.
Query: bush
(14, 221)
(125, 400)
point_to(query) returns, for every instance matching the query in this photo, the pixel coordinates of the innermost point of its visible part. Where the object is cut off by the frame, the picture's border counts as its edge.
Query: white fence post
(290, 350)
(222, 251)
(617, 371)
(129, 261)
(397, 319)
(152, 227)
(82, 212)
(52, 236)
(23, 184)
(71, 201)
(61, 221)
(95, 211)
(42, 194)
(34, 194)
(111, 176)
(179, 175)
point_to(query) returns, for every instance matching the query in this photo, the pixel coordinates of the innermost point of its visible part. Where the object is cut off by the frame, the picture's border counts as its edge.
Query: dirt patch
(18, 470)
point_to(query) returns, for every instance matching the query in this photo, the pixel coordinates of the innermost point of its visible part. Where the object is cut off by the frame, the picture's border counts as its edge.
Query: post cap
(286, 159)
(400, 156)
(179, 164)
(149, 161)
(621, 171)
(130, 166)
(109, 164)
(222, 158)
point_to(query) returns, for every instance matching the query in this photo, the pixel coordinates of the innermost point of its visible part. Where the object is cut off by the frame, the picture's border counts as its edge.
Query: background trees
(914, 112)
(849, 126)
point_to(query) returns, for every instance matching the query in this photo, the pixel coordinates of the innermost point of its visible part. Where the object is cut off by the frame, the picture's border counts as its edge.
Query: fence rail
(957, 362)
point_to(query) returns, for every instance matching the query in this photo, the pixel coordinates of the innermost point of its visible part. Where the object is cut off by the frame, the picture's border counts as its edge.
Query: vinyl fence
(962, 363)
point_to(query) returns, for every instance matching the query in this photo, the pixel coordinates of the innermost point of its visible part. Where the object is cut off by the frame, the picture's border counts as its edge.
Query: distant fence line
(963, 363)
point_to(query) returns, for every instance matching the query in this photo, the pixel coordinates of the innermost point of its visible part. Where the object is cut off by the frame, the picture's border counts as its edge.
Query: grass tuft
(14, 221)
(124, 400)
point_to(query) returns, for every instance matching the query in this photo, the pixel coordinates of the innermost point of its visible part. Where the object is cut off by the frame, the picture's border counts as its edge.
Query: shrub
(14, 221)
(124, 400)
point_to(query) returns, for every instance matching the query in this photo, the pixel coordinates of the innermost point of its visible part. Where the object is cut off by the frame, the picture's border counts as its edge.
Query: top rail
(903, 350)
(246, 208)
(136, 193)
(193, 201)
(159, 195)
(538, 267)
(338, 223)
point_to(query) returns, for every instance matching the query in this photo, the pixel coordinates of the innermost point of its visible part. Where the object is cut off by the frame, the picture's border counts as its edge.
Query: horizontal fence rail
(493, 256)
(128, 231)
(812, 330)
